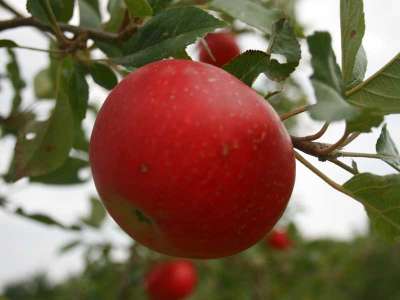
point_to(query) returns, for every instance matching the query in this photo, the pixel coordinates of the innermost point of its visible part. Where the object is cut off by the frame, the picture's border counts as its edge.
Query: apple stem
(294, 112)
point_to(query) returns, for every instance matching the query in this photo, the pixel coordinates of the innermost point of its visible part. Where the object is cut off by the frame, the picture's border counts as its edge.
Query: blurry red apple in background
(223, 48)
(190, 161)
(171, 280)
(279, 239)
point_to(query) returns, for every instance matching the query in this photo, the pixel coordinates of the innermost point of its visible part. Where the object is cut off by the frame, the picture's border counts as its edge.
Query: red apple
(279, 239)
(190, 161)
(223, 48)
(171, 280)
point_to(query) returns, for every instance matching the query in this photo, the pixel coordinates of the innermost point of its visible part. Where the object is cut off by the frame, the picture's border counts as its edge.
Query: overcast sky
(319, 211)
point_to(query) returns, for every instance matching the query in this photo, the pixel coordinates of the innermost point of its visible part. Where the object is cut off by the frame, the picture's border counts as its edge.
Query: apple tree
(132, 35)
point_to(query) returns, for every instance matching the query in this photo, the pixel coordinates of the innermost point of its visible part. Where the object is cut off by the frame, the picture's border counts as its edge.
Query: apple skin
(223, 47)
(279, 240)
(173, 280)
(190, 161)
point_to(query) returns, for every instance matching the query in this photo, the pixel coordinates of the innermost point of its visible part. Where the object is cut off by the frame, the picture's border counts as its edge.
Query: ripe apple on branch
(191, 159)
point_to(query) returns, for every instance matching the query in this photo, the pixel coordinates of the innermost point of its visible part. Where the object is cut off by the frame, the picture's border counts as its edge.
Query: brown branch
(317, 135)
(32, 22)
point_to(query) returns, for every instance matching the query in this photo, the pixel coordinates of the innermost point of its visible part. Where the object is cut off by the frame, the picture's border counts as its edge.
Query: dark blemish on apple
(144, 168)
(142, 217)
(225, 150)
(353, 33)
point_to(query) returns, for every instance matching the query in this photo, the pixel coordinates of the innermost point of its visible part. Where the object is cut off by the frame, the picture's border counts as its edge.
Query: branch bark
(32, 22)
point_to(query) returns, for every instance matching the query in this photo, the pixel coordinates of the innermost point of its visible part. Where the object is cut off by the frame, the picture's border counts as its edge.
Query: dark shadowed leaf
(45, 219)
(139, 8)
(248, 66)
(283, 42)
(352, 28)
(116, 9)
(249, 12)
(63, 9)
(40, 147)
(365, 120)
(103, 75)
(76, 89)
(14, 75)
(69, 246)
(386, 146)
(381, 198)
(8, 44)
(97, 213)
(37, 10)
(327, 81)
(159, 5)
(67, 174)
(167, 35)
(89, 14)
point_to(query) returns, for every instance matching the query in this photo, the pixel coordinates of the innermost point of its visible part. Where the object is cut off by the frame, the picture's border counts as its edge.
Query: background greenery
(362, 269)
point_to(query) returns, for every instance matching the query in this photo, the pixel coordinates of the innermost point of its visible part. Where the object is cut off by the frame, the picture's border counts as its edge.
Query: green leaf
(360, 68)
(81, 141)
(37, 10)
(76, 89)
(139, 8)
(44, 85)
(380, 92)
(8, 44)
(330, 106)
(67, 174)
(248, 66)
(116, 9)
(364, 121)
(249, 12)
(63, 9)
(352, 25)
(40, 148)
(381, 197)
(69, 246)
(45, 219)
(327, 81)
(283, 42)
(103, 75)
(89, 14)
(97, 213)
(159, 5)
(16, 80)
(386, 146)
(167, 35)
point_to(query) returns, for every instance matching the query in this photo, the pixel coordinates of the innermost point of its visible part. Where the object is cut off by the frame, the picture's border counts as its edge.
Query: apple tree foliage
(132, 33)
(364, 268)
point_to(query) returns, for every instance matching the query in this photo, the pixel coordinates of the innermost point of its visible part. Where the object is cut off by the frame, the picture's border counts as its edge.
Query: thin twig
(32, 22)
(56, 28)
(337, 145)
(351, 138)
(40, 50)
(294, 112)
(317, 135)
(324, 177)
(343, 166)
(364, 155)
(10, 9)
